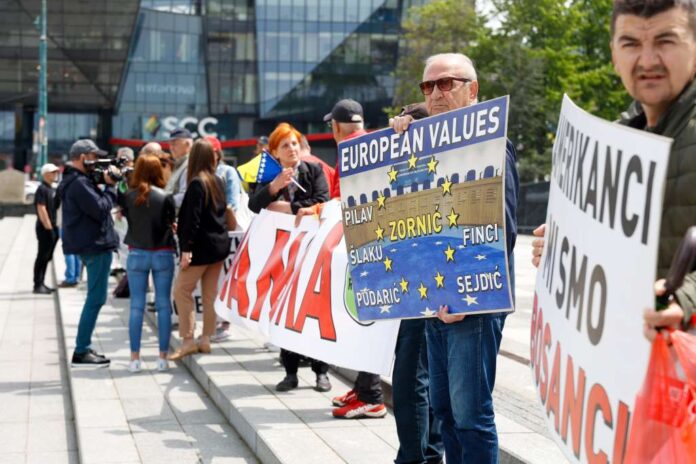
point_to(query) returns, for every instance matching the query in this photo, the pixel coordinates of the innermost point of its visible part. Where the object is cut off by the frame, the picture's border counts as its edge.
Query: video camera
(97, 169)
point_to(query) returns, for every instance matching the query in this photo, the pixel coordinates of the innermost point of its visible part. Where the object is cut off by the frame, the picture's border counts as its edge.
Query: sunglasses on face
(445, 84)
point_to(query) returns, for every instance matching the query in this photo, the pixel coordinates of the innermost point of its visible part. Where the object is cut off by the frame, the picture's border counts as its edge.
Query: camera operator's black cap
(346, 111)
(180, 133)
(85, 146)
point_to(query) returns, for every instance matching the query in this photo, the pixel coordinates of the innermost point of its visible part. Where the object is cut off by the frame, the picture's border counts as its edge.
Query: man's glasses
(445, 84)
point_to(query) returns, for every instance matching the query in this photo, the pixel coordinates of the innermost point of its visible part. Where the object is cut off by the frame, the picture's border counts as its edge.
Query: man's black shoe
(42, 290)
(323, 384)
(66, 284)
(89, 359)
(288, 383)
(90, 350)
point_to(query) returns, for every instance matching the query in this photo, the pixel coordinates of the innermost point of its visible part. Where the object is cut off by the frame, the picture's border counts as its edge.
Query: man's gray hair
(151, 148)
(125, 152)
(456, 57)
(349, 127)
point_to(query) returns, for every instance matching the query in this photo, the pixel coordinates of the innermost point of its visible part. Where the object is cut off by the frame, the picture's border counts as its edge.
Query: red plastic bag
(663, 429)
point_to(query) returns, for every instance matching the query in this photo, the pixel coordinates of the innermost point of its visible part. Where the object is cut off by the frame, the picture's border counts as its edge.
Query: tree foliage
(533, 50)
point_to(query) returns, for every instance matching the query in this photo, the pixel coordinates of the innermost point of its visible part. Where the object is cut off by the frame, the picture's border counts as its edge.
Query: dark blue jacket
(87, 224)
(512, 193)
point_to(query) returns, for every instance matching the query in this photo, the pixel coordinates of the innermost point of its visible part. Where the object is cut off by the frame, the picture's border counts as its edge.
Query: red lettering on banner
(573, 402)
(532, 330)
(238, 279)
(545, 363)
(317, 304)
(554, 391)
(271, 274)
(598, 400)
(623, 418)
(537, 347)
(277, 303)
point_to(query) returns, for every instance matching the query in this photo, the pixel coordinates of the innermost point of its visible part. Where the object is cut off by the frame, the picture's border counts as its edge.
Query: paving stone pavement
(36, 418)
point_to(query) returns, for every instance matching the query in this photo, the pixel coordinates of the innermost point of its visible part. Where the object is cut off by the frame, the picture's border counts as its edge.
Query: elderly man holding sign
(462, 349)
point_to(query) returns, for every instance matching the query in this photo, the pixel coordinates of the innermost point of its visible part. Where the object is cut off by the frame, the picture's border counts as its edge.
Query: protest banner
(424, 215)
(291, 284)
(588, 354)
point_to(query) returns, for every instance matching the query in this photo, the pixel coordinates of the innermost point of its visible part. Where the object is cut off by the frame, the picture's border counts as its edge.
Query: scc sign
(199, 128)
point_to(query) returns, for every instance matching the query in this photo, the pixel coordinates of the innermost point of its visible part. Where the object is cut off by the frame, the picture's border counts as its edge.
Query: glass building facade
(136, 69)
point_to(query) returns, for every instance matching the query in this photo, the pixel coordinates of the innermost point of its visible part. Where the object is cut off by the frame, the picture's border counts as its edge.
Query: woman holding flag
(286, 185)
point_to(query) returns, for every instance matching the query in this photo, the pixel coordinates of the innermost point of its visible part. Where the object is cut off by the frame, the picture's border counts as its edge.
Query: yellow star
(388, 264)
(432, 164)
(380, 200)
(446, 186)
(392, 174)
(452, 216)
(449, 253)
(423, 290)
(439, 280)
(412, 161)
(404, 285)
(380, 232)
(470, 300)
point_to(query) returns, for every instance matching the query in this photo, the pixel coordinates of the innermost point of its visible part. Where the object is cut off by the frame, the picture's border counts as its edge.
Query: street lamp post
(42, 155)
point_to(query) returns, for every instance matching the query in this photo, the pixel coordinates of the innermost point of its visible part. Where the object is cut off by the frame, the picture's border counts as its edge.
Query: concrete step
(149, 417)
(240, 376)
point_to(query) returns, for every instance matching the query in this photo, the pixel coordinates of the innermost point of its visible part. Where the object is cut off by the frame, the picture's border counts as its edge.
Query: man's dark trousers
(47, 243)
(368, 388)
(420, 441)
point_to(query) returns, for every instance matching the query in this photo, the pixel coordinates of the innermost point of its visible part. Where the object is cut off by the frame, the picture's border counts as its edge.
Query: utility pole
(42, 155)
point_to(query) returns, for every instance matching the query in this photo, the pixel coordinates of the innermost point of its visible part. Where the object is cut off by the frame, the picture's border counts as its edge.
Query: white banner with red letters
(588, 353)
(292, 285)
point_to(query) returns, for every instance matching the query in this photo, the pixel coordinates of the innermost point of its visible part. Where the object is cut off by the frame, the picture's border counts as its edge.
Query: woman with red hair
(150, 212)
(284, 195)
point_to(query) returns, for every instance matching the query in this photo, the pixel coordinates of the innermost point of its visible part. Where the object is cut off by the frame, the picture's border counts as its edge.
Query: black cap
(346, 111)
(180, 133)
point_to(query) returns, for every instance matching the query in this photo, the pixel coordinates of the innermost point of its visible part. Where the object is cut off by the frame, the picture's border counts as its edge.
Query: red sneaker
(340, 401)
(357, 409)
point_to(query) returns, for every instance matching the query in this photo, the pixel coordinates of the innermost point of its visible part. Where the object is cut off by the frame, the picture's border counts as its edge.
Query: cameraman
(88, 231)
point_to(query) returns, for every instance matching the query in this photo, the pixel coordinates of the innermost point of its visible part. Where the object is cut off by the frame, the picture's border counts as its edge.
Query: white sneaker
(162, 365)
(220, 335)
(134, 366)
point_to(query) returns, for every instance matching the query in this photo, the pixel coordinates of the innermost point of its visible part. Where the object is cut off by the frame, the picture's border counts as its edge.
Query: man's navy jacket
(88, 227)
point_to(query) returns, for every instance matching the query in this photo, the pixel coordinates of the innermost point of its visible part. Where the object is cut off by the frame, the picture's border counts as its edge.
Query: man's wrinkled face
(462, 94)
(180, 147)
(655, 57)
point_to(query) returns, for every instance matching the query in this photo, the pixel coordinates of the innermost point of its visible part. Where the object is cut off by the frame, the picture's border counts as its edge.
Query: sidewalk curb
(64, 349)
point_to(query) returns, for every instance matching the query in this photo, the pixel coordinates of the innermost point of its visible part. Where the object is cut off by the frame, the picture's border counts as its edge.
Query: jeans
(47, 243)
(462, 360)
(139, 264)
(97, 282)
(73, 266)
(419, 432)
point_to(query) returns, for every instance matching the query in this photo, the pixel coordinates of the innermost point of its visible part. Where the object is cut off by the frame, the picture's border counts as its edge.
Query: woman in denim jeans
(150, 212)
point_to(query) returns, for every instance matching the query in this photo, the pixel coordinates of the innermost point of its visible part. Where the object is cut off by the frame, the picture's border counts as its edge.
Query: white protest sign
(588, 354)
(291, 284)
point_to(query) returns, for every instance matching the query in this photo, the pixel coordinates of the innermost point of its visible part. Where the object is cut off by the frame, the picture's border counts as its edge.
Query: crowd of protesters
(188, 200)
